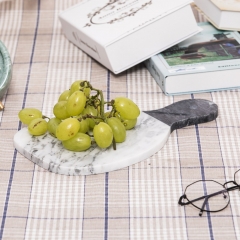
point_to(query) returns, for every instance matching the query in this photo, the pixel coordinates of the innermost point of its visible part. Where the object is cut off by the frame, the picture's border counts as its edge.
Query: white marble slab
(148, 137)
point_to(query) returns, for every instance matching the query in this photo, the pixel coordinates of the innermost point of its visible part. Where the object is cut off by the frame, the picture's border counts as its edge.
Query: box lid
(107, 21)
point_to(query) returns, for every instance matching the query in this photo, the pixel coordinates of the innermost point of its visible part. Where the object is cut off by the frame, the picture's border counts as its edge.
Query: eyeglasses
(209, 195)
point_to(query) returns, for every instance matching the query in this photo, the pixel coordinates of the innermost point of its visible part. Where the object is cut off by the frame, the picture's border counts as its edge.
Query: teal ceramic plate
(5, 70)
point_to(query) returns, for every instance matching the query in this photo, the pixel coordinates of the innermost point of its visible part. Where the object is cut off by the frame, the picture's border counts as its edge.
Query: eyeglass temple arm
(214, 194)
(209, 196)
(180, 202)
(203, 206)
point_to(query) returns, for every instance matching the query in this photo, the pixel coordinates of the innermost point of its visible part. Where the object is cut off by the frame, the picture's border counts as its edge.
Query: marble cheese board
(149, 136)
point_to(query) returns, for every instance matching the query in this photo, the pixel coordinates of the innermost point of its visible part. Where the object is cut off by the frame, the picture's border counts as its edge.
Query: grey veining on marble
(5, 69)
(149, 136)
(186, 112)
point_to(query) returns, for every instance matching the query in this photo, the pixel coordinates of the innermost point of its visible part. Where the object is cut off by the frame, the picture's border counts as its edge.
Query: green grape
(90, 110)
(106, 114)
(67, 129)
(103, 135)
(76, 87)
(80, 142)
(76, 103)
(84, 126)
(126, 107)
(64, 96)
(119, 131)
(129, 123)
(60, 110)
(26, 115)
(52, 126)
(37, 126)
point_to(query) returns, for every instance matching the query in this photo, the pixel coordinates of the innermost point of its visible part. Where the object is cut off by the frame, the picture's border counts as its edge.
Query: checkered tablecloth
(137, 202)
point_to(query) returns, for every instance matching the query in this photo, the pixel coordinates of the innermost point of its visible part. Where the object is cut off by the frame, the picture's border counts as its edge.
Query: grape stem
(114, 144)
(102, 102)
(45, 117)
(99, 92)
(90, 116)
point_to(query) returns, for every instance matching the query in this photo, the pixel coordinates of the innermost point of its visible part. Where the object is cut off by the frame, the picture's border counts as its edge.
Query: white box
(122, 33)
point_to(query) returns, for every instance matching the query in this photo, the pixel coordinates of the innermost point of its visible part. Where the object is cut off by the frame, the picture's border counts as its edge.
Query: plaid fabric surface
(137, 202)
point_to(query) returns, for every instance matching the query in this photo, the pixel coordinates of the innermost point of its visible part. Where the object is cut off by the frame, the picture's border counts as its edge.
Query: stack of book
(207, 61)
(182, 56)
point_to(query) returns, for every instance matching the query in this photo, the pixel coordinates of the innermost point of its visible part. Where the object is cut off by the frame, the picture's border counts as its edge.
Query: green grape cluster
(79, 118)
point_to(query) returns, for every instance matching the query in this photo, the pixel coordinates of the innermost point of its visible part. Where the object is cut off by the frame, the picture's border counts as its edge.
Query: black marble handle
(185, 113)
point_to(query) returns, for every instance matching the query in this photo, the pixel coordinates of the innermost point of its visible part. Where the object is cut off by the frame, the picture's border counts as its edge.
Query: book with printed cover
(223, 14)
(208, 61)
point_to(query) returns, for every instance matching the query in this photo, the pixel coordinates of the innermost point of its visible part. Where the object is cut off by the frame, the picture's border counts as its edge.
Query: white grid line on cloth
(57, 206)
(156, 195)
(174, 184)
(165, 200)
(182, 211)
(227, 135)
(178, 187)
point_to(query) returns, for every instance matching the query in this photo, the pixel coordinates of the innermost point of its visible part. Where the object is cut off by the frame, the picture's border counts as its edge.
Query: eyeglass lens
(207, 195)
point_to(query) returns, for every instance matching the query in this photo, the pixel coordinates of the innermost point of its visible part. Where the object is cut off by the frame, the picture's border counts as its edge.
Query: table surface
(137, 202)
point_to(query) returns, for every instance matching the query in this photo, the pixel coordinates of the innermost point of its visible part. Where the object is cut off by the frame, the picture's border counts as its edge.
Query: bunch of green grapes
(79, 118)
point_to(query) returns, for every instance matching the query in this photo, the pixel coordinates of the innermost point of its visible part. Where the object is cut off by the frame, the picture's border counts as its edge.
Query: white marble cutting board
(148, 137)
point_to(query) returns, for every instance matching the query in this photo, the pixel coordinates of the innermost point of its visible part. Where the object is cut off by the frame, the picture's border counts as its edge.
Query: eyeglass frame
(184, 196)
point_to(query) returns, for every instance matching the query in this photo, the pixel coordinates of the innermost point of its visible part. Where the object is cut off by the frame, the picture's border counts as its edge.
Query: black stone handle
(185, 113)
